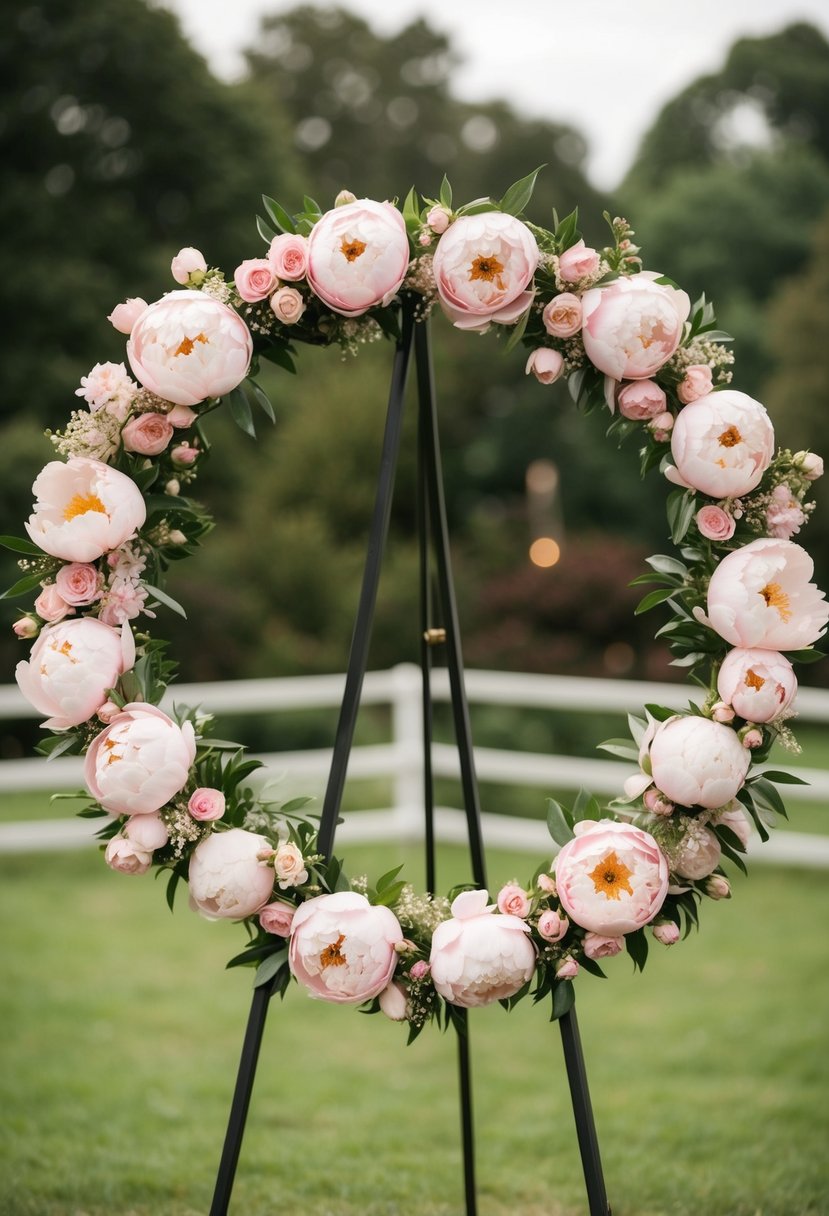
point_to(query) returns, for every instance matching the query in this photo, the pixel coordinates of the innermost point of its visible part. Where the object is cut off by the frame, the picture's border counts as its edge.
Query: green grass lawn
(121, 1034)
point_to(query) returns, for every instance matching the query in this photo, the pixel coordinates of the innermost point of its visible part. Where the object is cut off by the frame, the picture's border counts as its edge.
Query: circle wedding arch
(114, 510)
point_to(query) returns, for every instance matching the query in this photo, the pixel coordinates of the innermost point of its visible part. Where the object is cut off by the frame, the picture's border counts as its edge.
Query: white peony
(227, 878)
(697, 762)
(480, 956)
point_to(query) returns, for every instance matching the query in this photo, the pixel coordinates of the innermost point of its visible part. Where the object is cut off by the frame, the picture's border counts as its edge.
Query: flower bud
(722, 712)
(344, 198)
(666, 932)
(176, 537)
(810, 465)
(26, 628)
(751, 737)
(173, 487)
(718, 887)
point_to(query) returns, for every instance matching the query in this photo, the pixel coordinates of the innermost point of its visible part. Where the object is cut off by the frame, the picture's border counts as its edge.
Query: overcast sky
(604, 66)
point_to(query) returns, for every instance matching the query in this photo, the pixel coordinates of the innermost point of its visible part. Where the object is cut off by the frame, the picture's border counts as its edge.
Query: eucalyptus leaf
(166, 599)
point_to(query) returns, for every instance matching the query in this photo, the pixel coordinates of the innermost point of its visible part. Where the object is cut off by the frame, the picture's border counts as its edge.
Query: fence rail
(400, 760)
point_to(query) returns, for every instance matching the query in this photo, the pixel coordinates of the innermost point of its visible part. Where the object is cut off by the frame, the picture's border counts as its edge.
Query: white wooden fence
(400, 760)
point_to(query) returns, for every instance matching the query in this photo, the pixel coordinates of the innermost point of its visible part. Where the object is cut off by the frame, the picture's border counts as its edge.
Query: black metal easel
(436, 585)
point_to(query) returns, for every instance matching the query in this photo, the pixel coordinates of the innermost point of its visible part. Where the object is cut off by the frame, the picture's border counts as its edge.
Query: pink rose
(228, 881)
(578, 262)
(277, 918)
(545, 364)
(722, 444)
(288, 305)
(657, 804)
(127, 858)
(343, 948)
(567, 968)
(71, 667)
(206, 804)
(784, 514)
(484, 266)
(79, 583)
(289, 865)
(478, 958)
(254, 279)
(184, 455)
(181, 416)
(759, 685)
(718, 887)
(697, 762)
(661, 426)
(187, 262)
(148, 832)
(140, 761)
(51, 606)
(641, 399)
(84, 508)
(714, 523)
(358, 256)
(147, 434)
(761, 596)
(666, 932)
(438, 219)
(124, 316)
(552, 926)
(187, 347)
(394, 1002)
(562, 316)
(632, 326)
(26, 628)
(598, 945)
(419, 970)
(288, 256)
(513, 901)
(612, 877)
(751, 738)
(695, 383)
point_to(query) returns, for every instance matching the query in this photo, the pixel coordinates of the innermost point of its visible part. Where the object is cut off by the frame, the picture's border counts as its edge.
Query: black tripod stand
(437, 601)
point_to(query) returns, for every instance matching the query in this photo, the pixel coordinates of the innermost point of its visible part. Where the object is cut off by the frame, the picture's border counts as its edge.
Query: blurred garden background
(119, 145)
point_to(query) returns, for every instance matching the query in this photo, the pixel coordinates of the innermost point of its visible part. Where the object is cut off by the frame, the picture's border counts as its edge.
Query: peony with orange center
(611, 877)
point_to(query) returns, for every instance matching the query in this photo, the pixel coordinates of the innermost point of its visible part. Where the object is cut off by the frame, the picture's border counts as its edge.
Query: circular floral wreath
(111, 516)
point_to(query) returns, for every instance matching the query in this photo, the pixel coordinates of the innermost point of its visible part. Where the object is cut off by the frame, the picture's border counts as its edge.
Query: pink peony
(126, 857)
(632, 326)
(562, 316)
(140, 761)
(228, 881)
(288, 256)
(759, 685)
(784, 514)
(187, 347)
(289, 866)
(640, 400)
(288, 305)
(51, 606)
(545, 364)
(714, 523)
(206, 804)
(666, 932)
(598, 945)
(146, 831)
(343, 948)
(147, 434)
(84, 509)
(358, 256)
(124, 316)
(722, 444)
(577, 263)
(695, 383)
(71, 668)
(761, 596)
(484, 266)
(255, 279)
(479, 957)
(187, 262)
(697, 762)
(612, 877)
(513, 901)
(552, 926)
(79, 583)
(278, 918)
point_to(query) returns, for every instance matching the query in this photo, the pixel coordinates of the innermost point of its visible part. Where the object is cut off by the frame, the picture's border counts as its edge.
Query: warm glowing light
(545, 551)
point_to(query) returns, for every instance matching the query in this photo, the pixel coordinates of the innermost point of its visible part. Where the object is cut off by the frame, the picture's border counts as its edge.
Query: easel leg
(583, 1114)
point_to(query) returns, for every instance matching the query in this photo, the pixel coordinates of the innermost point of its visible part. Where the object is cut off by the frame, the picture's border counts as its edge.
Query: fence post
(407, 738)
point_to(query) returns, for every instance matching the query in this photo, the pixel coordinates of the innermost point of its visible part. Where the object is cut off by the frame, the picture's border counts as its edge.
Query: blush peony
(228, 879)
(759, 685)
(343, 948)
(483, 267)
(358, 256)
(71, 668)
(697, 762)
(84, 509)
(480, 956)
(187, 347)
(632, 327)
(761, 596)
(140, 761)
(722, 444)
(612, 878)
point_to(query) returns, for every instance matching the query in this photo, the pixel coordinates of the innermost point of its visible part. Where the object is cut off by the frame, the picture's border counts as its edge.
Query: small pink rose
(696, 382)
(393, 1002)
(438, 219)
(552, 926)
(545, 364)
(718, 887)
(254, 279)
(661, 426)
(79, 583)
(277, 918)
(128, 858)
(51, 606)
(206, 804)
(578, 262)
(666, 932)
(147, 434)
(513, 901)
(641, 399)
(598, 945)
(188, 261)
(288, 256)
(714, 523)
(752, 738)
(288, 305)
(184, 455)
(289, 865)
(419, 970)
(181, 416)
(424, 239)
(567, 969)
(656, 803)
(124, 316)
(562, 316)
(106, 712)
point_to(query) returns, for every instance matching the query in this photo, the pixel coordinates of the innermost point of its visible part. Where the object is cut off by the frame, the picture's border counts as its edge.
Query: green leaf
(267, 970)
(172, 883)
(388, 878)
(765, 793)
(519, 194)
(559, 822)
(563, 999)
(585, 807)
(19, 545)
(167, 600)
(681, 509)
(636, 944)
(517, 331)
(281, 356)
(653, 598)
(446, 193)
(278, 214)
(390, 896)
(27, 583)
(781, 778)
(263, 399)
(590, 965)
(664, 564)
(660, 712)
(311, 206)
(411, 211)
(295, 804)
(810, 655)
(265, 231)
(620, 747)
(240, 411)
